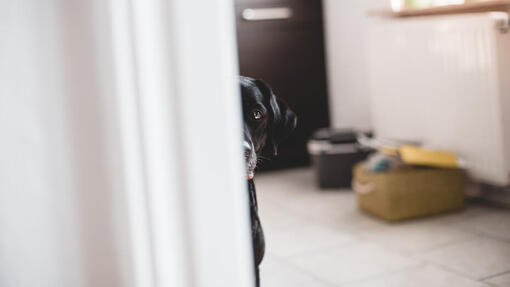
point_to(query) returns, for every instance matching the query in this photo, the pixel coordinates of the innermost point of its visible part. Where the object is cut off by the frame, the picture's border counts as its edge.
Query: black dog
(267, 121)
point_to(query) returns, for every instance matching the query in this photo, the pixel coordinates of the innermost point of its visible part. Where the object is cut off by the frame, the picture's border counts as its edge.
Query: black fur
(267, 122)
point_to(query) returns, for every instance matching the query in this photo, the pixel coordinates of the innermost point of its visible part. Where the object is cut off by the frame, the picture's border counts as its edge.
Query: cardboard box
(410, 192)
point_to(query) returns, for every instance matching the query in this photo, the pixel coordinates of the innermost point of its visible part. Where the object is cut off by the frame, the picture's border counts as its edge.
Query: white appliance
(445, 81)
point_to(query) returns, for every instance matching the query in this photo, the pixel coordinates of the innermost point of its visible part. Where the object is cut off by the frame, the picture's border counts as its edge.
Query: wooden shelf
(472, 7)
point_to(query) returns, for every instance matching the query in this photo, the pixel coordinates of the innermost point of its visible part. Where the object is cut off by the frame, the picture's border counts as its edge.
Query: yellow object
(389, 150)
(418, 156)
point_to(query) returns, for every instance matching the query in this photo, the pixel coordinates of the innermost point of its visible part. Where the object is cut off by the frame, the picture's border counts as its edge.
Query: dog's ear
(283, 126)
(283, 120)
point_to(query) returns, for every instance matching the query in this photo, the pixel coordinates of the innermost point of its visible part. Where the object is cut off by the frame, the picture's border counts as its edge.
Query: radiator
(445, 81)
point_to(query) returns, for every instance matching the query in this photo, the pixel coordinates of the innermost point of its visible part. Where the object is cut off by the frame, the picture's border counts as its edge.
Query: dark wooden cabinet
(288, 53)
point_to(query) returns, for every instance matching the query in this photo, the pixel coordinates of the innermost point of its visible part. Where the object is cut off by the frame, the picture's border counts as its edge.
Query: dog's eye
(257, 115)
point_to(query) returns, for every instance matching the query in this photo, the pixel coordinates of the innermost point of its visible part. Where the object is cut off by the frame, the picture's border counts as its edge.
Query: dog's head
(267, 121)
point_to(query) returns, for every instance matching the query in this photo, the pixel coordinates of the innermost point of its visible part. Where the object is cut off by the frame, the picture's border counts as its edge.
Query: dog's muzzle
(250, 157)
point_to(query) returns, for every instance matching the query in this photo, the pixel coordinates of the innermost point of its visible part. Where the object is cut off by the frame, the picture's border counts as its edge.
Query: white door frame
(189, 123)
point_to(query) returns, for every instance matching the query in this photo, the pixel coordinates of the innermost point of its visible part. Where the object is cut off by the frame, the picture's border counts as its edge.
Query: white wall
(346, 24)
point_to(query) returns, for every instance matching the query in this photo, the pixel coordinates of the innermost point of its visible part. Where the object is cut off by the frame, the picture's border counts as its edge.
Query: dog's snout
(247, 150)
(250, 156)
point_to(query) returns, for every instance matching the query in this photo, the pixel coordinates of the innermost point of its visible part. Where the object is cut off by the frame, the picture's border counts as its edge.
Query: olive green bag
(410, 192)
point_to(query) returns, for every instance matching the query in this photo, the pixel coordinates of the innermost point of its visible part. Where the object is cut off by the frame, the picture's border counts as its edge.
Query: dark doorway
(282, 42)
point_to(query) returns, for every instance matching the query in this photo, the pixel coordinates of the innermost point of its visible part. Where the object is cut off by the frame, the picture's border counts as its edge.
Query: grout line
(319, 222)
(460, 226)
(318, 249)
(450, 270)
(453, 272)
(418, 253)
(322, 249)
(422, 257)
(417, 264)
(388, 273)
(469, 237)
(302, 270)
(486, 235)
(495, 275)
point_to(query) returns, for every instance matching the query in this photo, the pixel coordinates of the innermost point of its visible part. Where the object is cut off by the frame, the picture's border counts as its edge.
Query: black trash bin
(334, 153)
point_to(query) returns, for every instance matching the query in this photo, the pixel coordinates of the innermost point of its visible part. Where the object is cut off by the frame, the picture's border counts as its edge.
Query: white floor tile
(310, 283)
(304, 238)
(477, 258)
(470, 211)
(320, 238)
(273, 217)
(285, 181)
(275, 272)
(421, 276)
(494, 224)
(415, 236)
(351, 262)
(336, 208)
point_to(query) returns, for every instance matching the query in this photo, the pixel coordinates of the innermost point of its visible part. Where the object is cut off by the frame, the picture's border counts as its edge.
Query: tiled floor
(319, 239)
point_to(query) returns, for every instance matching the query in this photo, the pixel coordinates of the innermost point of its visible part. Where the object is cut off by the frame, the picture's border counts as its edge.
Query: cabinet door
(288, 53)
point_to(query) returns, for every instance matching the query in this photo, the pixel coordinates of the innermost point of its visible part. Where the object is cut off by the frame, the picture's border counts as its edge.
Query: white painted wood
(204, 65)
(57, 192)
(39, 234)
(131, 147)
(121, 160)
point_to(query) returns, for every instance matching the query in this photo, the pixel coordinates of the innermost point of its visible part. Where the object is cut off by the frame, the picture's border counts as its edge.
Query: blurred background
(120, 131)
(413, 95)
